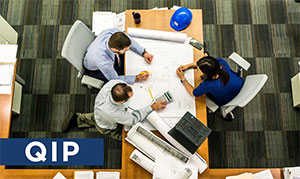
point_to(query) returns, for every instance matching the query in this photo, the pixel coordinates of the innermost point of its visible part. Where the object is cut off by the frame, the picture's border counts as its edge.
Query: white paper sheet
(167, 58)
(107, 175)
(120, 21)
(102, 21)
(241, 176)
(266, 174)
(6, 73)
(160, 8)
(83, 175)
(169, 167)
(175, 7)
(8, 55)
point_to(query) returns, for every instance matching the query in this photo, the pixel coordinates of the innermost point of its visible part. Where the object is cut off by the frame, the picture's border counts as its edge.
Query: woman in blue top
(219, 82)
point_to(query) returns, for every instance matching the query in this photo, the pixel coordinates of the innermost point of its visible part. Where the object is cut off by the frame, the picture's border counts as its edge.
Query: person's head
(212, 69)
(121, 92)
(119, 42)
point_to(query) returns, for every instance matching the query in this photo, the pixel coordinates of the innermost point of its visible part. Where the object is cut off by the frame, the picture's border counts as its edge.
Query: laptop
(190, 132)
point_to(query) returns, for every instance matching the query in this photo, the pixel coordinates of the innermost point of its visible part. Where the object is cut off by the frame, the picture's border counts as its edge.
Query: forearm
(189, 88)
(191, 65)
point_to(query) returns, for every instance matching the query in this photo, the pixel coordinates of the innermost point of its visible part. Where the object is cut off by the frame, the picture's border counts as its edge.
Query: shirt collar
(108, 49)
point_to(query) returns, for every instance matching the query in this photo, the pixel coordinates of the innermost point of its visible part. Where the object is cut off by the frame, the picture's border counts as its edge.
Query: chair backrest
(250, 89)
(76, 43)
(240, 61)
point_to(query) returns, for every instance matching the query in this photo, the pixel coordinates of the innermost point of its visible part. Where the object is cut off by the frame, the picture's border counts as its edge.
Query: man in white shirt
(111, 111)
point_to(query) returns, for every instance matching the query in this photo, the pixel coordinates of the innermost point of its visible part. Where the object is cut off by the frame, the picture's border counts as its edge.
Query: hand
(159, 105)
(183, 67)
(142, 76)
(148, 57)
(180, 73)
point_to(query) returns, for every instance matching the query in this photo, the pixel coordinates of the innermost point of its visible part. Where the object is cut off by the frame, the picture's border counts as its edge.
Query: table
(148, 21)
(129, 168)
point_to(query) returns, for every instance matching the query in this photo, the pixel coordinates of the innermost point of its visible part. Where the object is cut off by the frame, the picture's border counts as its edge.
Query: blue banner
(56, 151)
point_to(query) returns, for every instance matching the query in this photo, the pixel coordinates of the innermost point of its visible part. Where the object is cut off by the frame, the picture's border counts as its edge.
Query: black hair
(120, 91)
(119, 40)
(211, 67)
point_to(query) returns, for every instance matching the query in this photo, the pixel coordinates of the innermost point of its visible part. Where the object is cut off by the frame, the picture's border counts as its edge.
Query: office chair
(74, 48)
(251, 87)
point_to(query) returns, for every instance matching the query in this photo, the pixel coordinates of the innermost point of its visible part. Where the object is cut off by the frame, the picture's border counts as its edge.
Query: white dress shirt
(108, 113)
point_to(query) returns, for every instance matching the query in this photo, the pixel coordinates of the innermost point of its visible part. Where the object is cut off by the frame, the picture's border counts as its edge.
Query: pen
(150, 93)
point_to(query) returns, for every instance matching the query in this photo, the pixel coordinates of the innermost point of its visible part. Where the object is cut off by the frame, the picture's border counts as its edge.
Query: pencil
(6, 63)
(145, 72)
(150, 93)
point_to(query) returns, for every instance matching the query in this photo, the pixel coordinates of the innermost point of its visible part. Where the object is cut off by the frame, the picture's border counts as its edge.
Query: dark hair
(119, 40)
(211, 67)
(120, 92)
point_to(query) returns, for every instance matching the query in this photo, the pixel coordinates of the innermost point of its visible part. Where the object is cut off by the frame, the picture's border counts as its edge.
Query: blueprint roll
(163, 128)
(142, 160)
(158, 35)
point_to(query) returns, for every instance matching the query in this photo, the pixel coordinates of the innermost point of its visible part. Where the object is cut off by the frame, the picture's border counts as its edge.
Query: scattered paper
(120, 21)
(291, 172)
(160, 8)
(107, 175)
(83, 175)
(8, 53)
(103, 20)
(241, 176)
(169, 167)
(175, 7)
(7, 67)
(266, 174)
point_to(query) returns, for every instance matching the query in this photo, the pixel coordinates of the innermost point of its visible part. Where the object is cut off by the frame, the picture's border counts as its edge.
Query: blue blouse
(215, 89)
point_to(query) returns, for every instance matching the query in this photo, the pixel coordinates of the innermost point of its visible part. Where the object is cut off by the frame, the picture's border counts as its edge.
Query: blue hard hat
(181, 18)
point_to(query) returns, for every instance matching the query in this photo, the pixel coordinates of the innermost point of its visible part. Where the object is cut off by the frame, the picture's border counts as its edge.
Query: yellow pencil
(150, 93)
(6, 63)
(145, 72)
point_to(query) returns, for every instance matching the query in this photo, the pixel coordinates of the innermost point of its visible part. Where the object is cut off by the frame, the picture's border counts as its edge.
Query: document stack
(7, 67)
(291, 172)
(103, 20)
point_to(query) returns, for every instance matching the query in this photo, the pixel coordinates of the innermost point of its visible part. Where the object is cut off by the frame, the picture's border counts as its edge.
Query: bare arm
(189, 88)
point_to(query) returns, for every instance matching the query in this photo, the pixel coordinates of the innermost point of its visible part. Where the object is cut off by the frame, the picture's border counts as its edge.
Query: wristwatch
(144, 52)
(183, 80)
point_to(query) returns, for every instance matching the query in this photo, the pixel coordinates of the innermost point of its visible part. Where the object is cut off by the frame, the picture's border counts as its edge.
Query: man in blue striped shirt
(104, 58)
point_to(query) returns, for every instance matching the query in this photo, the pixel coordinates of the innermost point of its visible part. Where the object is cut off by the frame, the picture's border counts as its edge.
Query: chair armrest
(211, 105)
(93, 82)
(240, 61)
